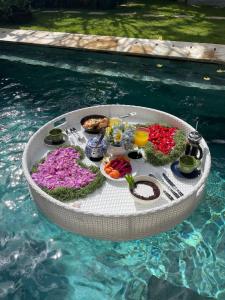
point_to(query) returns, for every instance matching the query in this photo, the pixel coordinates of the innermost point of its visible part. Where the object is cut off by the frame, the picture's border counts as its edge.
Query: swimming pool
(38, 260)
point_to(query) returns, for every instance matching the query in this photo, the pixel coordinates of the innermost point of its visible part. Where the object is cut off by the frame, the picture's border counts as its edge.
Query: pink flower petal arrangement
(60, 169)
(62, 172)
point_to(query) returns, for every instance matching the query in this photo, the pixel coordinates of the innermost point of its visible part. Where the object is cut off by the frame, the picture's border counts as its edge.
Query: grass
(135, 23)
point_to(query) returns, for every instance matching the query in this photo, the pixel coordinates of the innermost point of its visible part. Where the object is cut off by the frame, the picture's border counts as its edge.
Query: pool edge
(202, 52)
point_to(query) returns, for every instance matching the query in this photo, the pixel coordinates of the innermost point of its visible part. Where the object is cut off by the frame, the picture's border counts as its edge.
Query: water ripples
(38, 260)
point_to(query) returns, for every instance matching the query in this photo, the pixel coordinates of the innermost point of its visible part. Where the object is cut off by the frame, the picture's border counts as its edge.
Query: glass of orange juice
(141, 137)
(140, 140)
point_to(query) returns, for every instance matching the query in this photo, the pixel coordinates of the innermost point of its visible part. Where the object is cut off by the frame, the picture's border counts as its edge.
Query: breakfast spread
(160, 143)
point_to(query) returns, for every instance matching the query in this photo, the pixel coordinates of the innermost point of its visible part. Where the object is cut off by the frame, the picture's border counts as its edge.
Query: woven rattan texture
(111, 212)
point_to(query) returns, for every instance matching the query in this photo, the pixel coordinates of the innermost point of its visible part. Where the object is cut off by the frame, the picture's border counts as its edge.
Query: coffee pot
(193, 148)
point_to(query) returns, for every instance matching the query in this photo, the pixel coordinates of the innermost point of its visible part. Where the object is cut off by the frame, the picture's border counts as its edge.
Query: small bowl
(149, 179)
(92, 130)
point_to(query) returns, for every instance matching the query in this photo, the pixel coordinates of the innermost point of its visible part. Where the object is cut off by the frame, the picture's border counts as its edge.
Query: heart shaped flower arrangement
(166, 144)
(62, 175)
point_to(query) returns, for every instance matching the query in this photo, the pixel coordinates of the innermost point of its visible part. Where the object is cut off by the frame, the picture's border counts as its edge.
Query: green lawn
(136, 24)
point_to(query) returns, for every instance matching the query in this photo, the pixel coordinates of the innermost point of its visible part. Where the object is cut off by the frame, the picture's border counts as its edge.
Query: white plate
(113, 179)
(150, 179)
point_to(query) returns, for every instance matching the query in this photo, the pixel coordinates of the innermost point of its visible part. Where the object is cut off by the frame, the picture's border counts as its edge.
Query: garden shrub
(16, 11)
(93, 4)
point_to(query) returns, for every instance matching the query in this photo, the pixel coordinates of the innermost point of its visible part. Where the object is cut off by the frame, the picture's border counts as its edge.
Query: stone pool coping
(131, 46)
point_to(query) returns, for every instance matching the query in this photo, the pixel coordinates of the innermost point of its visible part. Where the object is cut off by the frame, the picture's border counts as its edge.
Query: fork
(68, 132)
(80, 138)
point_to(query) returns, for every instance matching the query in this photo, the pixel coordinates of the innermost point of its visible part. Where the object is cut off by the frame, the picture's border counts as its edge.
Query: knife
(172, 184)
(168, 195)
(170, 189)
(165, 192)
(165, 183)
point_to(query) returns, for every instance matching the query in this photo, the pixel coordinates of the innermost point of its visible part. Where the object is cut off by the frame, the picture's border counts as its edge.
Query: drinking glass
(140, 140)
(141, 137)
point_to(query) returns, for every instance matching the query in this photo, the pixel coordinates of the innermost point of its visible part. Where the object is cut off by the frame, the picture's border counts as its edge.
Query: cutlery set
(167, 182)
(75, 133)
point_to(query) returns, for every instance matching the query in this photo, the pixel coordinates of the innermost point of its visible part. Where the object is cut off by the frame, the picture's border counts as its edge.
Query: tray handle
(59, 122)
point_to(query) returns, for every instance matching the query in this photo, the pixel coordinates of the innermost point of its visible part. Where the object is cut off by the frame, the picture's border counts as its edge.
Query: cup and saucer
(55, 137)
(187, 167)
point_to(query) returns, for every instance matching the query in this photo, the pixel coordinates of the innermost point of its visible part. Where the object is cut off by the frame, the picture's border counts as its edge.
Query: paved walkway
(132, 46)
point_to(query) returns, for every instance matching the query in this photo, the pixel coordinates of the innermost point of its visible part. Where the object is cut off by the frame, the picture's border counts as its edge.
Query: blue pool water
(39, 260)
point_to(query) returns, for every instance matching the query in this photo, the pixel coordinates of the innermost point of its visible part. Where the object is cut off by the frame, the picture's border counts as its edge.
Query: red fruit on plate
(119, 167)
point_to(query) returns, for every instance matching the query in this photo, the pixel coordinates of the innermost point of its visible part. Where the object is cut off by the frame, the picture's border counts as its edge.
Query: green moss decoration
(157, 158)
(67, 194)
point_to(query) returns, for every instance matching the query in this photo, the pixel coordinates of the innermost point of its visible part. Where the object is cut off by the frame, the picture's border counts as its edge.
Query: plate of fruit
(117, 168)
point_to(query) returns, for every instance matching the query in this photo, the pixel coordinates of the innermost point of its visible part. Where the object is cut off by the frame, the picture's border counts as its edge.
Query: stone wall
(220, 3)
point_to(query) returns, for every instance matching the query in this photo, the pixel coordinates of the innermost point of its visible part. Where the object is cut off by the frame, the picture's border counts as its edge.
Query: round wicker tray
(111, 212)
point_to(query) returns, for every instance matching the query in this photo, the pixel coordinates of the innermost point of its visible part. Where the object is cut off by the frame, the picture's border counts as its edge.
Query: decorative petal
(60, 169)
